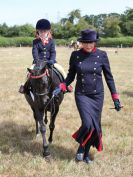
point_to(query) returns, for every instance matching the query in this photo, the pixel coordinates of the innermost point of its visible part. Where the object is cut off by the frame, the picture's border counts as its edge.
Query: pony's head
(39, 77)
(38, 69)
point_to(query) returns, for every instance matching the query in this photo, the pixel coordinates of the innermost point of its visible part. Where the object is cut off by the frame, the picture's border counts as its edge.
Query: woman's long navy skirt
(90, 108)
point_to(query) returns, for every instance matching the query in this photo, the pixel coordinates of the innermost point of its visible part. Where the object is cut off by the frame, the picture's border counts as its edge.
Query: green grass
(21, 153)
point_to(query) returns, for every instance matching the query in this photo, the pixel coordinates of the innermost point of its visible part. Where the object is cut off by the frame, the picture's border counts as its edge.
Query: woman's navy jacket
(89, 68)
(44, 52)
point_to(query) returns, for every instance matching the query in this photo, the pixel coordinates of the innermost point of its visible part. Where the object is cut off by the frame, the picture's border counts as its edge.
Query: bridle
(40, 76)
(46, 73)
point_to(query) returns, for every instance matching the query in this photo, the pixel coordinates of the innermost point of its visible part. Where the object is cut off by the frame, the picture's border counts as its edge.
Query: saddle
(59, 74)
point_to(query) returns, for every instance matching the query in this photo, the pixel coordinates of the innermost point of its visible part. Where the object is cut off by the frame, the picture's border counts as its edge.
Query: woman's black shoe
(79, 157)
(87, 160)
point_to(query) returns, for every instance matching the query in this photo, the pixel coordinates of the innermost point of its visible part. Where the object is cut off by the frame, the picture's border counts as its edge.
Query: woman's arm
(72, 70)
(108, 74)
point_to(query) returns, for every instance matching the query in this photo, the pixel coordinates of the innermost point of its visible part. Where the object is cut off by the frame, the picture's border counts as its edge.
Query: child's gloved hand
(56, 91)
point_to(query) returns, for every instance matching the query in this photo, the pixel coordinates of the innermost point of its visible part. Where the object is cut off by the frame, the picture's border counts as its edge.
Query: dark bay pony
(40, 86)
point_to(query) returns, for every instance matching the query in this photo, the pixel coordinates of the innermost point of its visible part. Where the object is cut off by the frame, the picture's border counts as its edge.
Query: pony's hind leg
(36, 122)
(45, 119)
(52, 123)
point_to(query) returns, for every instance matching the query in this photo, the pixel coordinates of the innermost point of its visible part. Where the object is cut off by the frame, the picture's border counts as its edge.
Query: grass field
(20, 152)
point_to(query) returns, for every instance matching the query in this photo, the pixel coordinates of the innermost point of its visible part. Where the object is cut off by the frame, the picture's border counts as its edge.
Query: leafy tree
(111, 26)
(127, 22)
(3, 29)
(74, 16)
(26, 30)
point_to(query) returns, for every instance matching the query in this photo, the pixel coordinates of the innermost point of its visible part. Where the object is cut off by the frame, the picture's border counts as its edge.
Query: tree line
(108, 25)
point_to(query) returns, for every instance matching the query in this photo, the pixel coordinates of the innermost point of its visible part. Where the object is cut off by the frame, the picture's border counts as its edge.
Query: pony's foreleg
(43, 132)
(52, 124)
(36, 122)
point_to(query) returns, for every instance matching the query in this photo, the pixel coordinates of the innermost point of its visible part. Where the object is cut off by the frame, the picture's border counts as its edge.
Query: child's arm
(35, 52)
(52, 53)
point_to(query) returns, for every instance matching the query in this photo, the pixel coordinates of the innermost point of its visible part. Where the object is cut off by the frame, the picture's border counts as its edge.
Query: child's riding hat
(43, 24)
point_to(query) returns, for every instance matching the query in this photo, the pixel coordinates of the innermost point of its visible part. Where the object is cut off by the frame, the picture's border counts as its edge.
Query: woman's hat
(43, 24)
(88, 35)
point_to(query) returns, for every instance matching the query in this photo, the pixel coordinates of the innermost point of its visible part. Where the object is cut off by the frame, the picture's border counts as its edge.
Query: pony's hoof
(46, 152)
(47, 158)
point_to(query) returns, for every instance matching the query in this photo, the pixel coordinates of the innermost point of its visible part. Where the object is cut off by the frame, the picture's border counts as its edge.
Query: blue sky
(29, 11)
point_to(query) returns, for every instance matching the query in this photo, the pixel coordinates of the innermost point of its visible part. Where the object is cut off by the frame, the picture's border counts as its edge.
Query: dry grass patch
(20, 152)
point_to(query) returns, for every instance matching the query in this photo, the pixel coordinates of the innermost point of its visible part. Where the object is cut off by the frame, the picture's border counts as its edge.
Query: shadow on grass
(15, 138)
(129, 94)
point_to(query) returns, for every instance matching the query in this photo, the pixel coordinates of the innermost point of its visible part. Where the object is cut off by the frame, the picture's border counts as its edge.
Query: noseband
(46, 73)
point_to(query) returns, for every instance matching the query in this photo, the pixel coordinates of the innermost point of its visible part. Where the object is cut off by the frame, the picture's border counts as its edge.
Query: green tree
(74, 16)
(111, 27)
(3, 29)
(26, 30)
(127, 22)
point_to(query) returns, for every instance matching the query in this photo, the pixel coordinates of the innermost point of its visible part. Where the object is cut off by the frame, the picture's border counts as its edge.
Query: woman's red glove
(62, 86)
(115, 96)
(65, 88)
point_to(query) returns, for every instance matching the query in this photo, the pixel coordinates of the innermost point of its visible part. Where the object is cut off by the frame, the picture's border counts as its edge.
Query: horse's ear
(30, 70)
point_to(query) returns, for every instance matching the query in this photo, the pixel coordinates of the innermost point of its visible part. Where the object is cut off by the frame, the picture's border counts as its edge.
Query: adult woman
(89, 63)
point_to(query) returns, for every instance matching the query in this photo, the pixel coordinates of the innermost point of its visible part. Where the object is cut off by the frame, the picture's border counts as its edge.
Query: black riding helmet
(43, 24)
